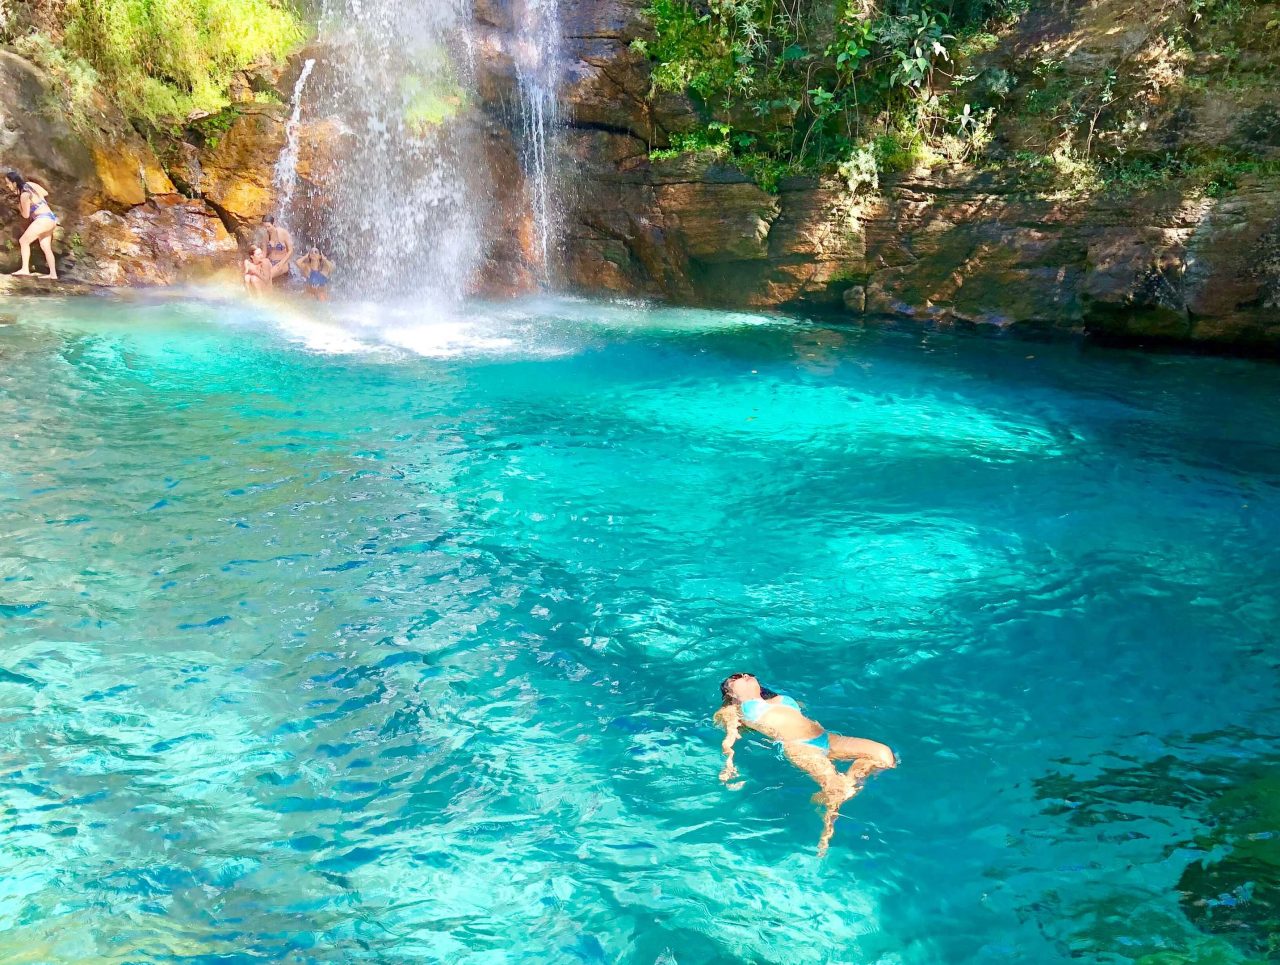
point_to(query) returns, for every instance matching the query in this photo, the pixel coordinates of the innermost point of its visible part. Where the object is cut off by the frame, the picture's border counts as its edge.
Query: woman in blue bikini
(32, 204)
(316, 270)
(805, 742)
(279, 246)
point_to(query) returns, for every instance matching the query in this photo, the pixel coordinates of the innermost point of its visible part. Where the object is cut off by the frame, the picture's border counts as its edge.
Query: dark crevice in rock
(603, 127)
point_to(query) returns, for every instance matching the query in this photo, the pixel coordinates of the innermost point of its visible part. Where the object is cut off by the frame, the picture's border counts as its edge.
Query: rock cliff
(981, 246)
(987, 245)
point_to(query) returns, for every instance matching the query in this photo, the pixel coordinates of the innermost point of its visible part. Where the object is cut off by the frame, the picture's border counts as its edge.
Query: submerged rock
(1235, 890)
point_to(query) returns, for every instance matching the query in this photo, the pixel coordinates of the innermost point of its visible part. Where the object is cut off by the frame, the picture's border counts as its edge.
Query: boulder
(167, 239)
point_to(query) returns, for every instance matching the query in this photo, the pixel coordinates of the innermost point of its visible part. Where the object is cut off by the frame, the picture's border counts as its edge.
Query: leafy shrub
(77, 80)
(779, 100)
(171, 58)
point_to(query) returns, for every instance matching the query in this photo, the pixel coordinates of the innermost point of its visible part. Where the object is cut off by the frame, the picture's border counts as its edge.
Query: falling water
(286, 174)
(537, 68)
(395, 186)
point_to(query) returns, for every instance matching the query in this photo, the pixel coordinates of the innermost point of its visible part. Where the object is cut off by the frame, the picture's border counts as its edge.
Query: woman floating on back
(33, 204)
(805, 742)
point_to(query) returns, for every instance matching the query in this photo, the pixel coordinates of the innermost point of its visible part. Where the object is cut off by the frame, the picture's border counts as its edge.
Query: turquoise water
(392, 638)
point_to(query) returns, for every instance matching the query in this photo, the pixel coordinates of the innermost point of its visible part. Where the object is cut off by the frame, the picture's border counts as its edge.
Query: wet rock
(39, 286)
(167, 239)
(238, 170)
(1133, 281)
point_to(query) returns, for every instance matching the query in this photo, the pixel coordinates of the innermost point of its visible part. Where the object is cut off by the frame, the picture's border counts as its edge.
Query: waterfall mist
(391, 186)
(389, 162)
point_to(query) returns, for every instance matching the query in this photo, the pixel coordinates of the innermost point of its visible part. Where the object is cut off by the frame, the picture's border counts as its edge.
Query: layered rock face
(121, 218)
(947, 246)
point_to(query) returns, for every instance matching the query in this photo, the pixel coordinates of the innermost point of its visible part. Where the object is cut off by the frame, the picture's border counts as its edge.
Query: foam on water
(381, 633)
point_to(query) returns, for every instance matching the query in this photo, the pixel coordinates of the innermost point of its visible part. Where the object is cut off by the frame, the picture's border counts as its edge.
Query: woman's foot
(51, 276)
(23, 273)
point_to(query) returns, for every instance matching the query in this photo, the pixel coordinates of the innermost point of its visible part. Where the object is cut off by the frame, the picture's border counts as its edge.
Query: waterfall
(397, 186)
(286, 173)
(395, 179)
(537, 65)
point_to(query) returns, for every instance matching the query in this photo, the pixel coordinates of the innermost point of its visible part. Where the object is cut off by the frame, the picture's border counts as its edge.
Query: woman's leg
(46, 245)
(872, 753)
(25, 242)
(836, 787)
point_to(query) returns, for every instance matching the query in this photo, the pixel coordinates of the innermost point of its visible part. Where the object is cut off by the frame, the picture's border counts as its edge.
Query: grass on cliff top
(167, 59)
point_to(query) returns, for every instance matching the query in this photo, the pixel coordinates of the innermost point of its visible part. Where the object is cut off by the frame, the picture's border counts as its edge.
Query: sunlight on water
(393, 633)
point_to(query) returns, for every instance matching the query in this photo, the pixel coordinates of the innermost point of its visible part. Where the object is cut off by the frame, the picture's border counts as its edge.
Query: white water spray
(286, 173)
(538, 73)
(395, 173)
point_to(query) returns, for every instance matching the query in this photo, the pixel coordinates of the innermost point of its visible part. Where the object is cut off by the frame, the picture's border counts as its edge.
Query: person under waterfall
(33, 203)
(316, 270)
(805, 743)
(257, 272)
(279, 246)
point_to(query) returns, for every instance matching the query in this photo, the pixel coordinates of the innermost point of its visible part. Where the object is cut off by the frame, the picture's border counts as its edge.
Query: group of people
(269, 260)
(271, 257)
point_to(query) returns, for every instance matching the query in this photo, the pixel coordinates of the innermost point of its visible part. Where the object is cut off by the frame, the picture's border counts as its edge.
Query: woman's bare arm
(732, 722)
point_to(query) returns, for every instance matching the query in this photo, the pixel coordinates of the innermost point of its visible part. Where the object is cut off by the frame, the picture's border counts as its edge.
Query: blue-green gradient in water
(387, 640)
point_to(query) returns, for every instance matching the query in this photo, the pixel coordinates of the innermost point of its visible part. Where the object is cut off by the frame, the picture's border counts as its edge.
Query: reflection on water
(377, 635)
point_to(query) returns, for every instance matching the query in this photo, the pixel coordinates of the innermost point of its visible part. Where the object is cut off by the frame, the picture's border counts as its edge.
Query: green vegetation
(862, 88)
(163, 60)
(813, 87)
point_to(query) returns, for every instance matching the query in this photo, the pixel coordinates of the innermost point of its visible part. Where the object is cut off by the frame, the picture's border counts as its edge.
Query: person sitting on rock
(316, 271)
(257, 272)
(279, 245)
(33, 203)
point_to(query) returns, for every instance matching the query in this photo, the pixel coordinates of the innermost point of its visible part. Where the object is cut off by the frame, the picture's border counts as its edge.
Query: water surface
(391, 637)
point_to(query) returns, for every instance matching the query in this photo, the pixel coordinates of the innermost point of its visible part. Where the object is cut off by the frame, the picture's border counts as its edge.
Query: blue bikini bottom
(822, 742)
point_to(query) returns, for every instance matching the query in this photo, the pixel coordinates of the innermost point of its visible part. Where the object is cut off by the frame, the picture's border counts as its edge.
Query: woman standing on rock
(32, 204)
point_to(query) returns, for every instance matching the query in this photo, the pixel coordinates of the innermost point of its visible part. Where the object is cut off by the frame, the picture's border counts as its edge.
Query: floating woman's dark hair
(18, 180)
(726, 688)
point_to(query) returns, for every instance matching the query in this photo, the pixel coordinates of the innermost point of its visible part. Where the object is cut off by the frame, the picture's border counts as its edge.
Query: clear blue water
(388, 639)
